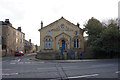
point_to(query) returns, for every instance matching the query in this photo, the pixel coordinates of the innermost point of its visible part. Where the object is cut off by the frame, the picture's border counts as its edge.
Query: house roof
(57, 21)
(10, 25)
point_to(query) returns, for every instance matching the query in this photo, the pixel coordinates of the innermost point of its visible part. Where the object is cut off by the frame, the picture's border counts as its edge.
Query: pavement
(28, 66)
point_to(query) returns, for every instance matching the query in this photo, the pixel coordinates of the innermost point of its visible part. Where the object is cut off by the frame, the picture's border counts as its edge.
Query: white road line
(12, 63)
(5, 69)
(117, 72)
(19, 60)
(27, 62)
(7, 74)
(84, 76)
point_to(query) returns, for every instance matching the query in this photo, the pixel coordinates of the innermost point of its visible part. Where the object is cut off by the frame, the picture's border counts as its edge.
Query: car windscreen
(21, 52)
(16, 52)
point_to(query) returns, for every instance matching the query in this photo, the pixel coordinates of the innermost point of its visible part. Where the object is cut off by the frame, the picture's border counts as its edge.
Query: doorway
(63, 45)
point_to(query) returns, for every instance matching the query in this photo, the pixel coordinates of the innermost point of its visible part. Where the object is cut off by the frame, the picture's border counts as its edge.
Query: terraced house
(12, 39)
(60, 37)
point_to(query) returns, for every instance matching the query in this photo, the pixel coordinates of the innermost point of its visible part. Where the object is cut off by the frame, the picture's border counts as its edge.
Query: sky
(28, 14)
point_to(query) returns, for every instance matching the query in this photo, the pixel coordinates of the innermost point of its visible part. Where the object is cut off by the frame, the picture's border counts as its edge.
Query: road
(28, 67)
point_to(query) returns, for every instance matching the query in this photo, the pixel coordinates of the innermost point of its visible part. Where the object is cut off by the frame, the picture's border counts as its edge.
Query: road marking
(5, 69)
(7, 74)
(117, 72)
(27, 62)
(84, 76)
(19, 60)
(12, 63)
(47, 68)
(31, 54)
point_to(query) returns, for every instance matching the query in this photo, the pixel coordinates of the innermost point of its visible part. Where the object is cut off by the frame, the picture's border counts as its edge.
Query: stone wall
(46, 55)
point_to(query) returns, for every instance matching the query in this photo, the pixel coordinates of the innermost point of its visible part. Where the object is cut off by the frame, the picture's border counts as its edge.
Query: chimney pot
(78, 24)
(19, 29)
(7, 20)
(41, 24)
(30, 40)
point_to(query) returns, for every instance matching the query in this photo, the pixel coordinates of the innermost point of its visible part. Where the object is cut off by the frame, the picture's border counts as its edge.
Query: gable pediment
(61, 25)
(62, 34)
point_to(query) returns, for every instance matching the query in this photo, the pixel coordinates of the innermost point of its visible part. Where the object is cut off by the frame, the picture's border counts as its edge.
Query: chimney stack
(7, 20)
(19, 29)
(41, 24)
(78, 24)
(30, 40)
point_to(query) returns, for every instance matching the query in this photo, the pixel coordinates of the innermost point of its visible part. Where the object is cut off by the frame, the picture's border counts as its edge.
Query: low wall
(46, 55)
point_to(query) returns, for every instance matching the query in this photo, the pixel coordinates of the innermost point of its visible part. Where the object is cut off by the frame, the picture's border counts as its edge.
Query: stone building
(12, 39)
(29, 47)
(59, 37)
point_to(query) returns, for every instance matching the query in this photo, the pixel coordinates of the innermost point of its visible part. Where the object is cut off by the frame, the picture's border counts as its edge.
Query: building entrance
(63, 45)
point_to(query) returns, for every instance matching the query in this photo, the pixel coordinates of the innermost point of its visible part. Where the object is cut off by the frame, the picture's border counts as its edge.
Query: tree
(93, 28)
(103, 39)
(109, 40)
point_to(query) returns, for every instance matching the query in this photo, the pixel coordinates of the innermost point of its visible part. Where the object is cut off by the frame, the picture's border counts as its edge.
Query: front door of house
(63, 44)
(62, 48)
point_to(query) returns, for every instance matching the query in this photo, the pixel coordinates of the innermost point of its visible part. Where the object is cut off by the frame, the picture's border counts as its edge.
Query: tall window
(48, 43)
(76, 43)
(16, 40)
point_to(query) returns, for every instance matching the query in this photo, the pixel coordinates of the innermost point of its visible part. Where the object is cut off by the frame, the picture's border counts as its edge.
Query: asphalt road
(28, 67)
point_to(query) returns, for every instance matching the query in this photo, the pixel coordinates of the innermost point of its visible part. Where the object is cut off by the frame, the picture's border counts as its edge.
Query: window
(49, 33)
(16, 40)
(13, 32)
(76, 43)
(48, 43)
(16, 47)
(22, 40)
(76, 32)
(16, 33)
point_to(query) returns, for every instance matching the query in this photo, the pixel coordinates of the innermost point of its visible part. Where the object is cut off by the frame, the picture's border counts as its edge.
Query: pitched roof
(57, 21)
(10, 25)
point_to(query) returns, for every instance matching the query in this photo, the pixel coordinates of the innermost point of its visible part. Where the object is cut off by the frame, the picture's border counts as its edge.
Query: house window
(76, 32)
(48, 43)
(16, 40)
(76, 43)
(49, 32)
(16, 33)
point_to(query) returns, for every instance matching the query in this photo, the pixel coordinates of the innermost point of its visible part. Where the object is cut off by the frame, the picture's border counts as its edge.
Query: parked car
(19, 53)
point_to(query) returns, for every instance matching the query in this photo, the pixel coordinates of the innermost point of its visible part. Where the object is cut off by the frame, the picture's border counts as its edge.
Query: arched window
(45, 43)
(76, 43)
(48, 43)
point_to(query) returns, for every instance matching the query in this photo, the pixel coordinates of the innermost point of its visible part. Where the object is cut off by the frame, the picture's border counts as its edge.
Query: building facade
(12, 39)
(29, 47)
(61, 36)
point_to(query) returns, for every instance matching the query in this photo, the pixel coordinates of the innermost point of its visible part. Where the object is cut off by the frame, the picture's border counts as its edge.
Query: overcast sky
(29, 13)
